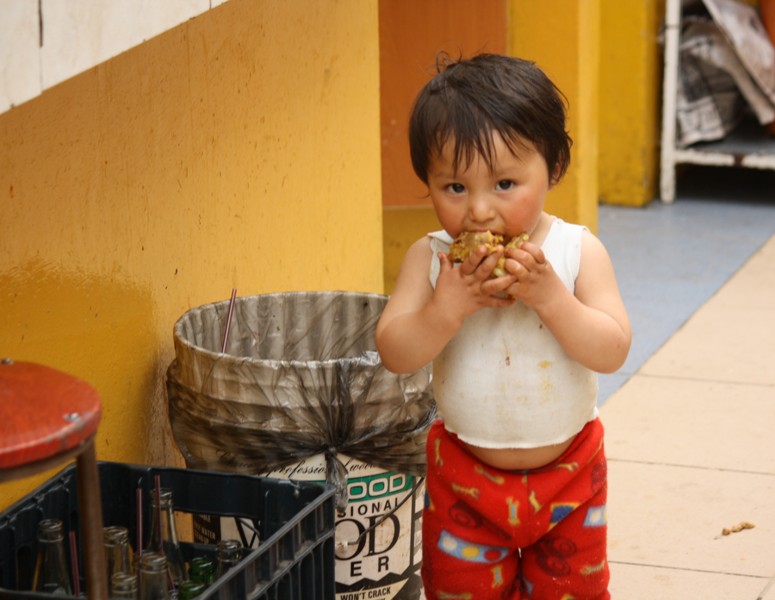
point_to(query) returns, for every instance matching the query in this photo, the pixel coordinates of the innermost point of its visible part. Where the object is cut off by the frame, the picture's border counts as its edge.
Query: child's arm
(591, 324)
(418, 320)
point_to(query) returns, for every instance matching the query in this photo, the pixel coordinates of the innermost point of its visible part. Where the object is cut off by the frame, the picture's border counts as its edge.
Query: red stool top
(44, 414)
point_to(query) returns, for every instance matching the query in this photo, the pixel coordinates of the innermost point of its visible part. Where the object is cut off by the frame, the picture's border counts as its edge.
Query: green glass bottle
(202, 570)
(190, 589)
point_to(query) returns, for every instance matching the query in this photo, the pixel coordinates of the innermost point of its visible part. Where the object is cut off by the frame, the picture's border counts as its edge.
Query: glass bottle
(154, 581)
(202, 570)
(50, 568)
(164, 535)
(190, 589)
(229, 553)
(118, 552)
(123, 586)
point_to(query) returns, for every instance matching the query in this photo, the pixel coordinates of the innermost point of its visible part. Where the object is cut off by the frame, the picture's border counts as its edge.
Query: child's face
(509, 200)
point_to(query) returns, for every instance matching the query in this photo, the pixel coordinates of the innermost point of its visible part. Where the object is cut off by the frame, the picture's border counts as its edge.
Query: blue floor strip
(671, 258)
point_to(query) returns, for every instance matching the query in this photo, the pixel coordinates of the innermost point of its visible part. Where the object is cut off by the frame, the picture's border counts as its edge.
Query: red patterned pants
(537, 534)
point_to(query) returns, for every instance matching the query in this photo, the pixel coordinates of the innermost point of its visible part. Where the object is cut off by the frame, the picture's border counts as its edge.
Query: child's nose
(480, 208)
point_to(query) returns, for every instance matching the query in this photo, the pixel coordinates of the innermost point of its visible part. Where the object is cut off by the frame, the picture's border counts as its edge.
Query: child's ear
(554, 176)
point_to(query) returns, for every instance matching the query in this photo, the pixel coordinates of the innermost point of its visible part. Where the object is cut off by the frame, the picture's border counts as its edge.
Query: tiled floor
(691, 446)
(690, 435)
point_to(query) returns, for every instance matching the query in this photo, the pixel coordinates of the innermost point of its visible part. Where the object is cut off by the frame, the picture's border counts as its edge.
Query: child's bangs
(472, 138)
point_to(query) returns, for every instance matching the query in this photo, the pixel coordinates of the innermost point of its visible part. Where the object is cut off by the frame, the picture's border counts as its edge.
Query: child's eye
(456, 188)
(505, 184)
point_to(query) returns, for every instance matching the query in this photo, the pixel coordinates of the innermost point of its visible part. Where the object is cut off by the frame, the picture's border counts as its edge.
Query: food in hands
(469, 241)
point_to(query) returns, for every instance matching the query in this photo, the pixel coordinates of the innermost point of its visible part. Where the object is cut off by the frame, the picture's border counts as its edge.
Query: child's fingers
(470, 265)
(487, 262)
(527, 254)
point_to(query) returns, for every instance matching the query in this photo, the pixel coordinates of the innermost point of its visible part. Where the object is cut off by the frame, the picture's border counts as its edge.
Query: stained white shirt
(504, 381)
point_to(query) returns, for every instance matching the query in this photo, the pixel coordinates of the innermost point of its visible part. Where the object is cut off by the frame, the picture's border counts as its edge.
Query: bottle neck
(163, 536)
(118, 552)
(154, 583)
(228, 553)
(51, 574)
(123, 586)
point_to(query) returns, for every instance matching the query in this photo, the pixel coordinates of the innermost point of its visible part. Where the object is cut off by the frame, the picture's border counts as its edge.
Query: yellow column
(562, 37)
(630, 77)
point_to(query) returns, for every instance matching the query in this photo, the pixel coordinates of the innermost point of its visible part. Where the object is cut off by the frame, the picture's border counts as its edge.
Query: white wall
(44, 42)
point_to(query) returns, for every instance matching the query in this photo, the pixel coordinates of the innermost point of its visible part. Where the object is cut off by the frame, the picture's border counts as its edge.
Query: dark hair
(468, 100)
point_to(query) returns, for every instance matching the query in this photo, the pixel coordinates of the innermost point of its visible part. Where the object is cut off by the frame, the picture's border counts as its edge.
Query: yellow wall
(606, 59)
(630, 101)
(562, 37)
(240, 149)
(410, 39)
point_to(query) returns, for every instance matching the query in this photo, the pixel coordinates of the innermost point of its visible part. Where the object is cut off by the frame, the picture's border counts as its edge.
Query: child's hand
(467, 287)
(534, 279)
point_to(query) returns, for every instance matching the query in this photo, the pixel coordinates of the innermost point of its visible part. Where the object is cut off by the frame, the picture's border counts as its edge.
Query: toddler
(516, 476)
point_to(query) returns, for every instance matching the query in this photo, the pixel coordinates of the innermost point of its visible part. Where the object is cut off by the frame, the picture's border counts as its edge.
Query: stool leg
(90, 507)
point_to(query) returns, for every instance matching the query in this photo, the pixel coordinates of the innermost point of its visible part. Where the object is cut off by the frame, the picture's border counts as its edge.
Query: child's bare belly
(518, 459)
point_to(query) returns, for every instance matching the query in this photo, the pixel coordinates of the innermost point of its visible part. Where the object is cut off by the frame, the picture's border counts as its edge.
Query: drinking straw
(139, 505)
(157, 489)
(74, 565)
(228, 320)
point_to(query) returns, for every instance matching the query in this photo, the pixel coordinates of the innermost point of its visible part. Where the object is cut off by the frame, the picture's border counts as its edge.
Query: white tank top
(504, 381)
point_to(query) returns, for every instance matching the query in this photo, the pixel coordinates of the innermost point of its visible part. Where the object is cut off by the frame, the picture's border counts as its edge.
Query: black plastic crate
(295, 520)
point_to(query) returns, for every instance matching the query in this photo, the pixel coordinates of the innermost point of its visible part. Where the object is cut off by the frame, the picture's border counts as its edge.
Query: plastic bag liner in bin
(300, 377)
